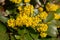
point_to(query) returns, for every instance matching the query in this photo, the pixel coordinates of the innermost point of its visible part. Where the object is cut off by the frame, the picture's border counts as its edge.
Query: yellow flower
(35, 21)
(43, 15)
(16, 1)
(34, 24)
(23, 20)
(11, 22)
(20, 8)
(29, 22)
(26, 10)
(51, 7)
(26, 0)
(18, 22)
(43, 34)
(57, 16)
(29, 9)
(40, 9)
(43, 27)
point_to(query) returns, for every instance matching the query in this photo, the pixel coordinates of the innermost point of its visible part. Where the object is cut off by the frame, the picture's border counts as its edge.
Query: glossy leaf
(49, 17)
(52, 30)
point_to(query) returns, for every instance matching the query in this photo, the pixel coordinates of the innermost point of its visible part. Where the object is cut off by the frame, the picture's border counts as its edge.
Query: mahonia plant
(38, 19)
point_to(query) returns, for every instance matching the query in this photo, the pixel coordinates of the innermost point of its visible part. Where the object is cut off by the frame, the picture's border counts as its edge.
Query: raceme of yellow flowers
(43, 34)
(16, 1)
(26, 0)
(43, 15)
(29, 9)
(42, 28)
(19, 1)
(51, 7)
(11, 23)
(57, 16)
(26, 17)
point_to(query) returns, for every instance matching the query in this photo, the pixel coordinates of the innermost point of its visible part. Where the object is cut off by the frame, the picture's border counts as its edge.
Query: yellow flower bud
(43, 35)
(26, 1)
(40, 9)
(11, 22)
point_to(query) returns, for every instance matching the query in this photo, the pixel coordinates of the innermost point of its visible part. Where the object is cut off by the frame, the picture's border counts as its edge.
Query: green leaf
(3, 19)
(33, 33)
(58, 11)
(49, 39)
(24, 34)
(3, 34)
(28, 37)
(21, 31)
(35, 12)
(27, 34)
(17, 36)
(34, 36)
(12, 37)
(52, 30)
(12, 11)
(49, 17)
(7, 12)
(58, 23)
(50, 1)
(58, 0)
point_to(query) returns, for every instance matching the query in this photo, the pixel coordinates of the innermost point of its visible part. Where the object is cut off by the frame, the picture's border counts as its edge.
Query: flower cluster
(57, 16)
(43, 35)
(19, 1)
(42, 28)
(51, 7)
(26, 17)
(16, 1)
(11, 23)
(26, 0)
(43, 15)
